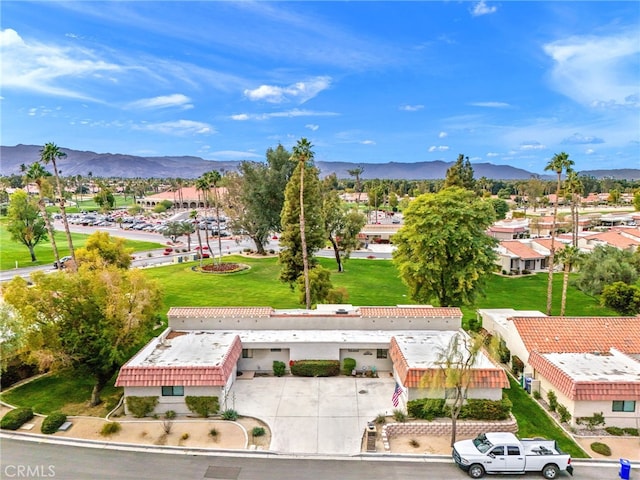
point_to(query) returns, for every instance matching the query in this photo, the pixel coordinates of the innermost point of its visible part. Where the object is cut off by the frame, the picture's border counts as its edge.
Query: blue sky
(503, 82)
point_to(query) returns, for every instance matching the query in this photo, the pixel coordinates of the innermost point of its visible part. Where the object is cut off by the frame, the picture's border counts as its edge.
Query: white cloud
(532, 146)
(240, 117)
(442, 134)
(299, 92)
(282, 114)
(579, 139)
(47, 68)
(589, 151)
(233, 155)
(440, 148)
(312, 127)
(493, 154)
(490, 104)
(179, 127)
(598, 71)
(368, 142)
(163, 101)
(481, 8)
(411, 108)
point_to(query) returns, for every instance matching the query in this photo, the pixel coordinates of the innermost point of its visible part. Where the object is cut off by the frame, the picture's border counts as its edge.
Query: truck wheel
(476, 471)
(550, 471)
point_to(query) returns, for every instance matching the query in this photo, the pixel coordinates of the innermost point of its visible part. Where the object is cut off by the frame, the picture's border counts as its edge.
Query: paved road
(78, 463)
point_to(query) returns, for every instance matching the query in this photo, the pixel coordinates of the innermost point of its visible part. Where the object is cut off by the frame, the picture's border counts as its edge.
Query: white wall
(262, 359)
(175, 403)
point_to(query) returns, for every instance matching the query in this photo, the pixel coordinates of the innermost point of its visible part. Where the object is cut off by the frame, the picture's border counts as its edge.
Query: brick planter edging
(463, 428)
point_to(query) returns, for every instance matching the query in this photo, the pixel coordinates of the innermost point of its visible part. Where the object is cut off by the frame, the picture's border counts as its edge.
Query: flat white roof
(502, 315)
(590, 367)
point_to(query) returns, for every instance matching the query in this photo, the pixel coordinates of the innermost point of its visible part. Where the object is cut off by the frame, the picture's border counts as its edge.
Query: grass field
(13, 252)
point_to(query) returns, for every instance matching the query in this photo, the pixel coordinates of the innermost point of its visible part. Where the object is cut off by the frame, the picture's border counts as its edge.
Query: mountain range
(103, 165)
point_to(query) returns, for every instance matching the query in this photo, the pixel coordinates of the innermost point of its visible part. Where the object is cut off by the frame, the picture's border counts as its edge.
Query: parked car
(502, 452)
(63, 260)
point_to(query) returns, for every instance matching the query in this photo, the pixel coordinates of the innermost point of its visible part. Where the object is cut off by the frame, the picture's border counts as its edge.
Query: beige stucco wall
(175, 403)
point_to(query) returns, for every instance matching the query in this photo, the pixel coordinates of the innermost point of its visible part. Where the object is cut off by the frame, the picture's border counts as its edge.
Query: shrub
(14, 419)
(565, 416)
(399, 416)
(348, 365)
(52, 423)
(503, 352)
(596, 420)
(517, 365)
(426, 408)
(480, 409)
(381, 419)
(258, 431)
(169, 414)
(110, 428)
(552, 400)
(414, 443)
(185, 436)
(141, 406)
(631, 431)
(617, 431)
(203, 406)
(279, 368)
(536, 394)
(601, 448)
(315, 368)
(230, 414)
(214, 432)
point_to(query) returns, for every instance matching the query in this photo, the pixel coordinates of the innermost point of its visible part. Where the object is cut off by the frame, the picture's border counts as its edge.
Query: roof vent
(341, 311)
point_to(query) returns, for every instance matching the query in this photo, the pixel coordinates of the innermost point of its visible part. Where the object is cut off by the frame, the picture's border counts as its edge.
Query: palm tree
(559, 163)
(574, 186)
(194, 216)
(214, 178)
(568, 256)
(50, 153)
(37, 174)
(203, 184)
(356, 172)
(302, 153)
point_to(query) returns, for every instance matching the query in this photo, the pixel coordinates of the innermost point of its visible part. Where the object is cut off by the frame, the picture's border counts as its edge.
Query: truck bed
(540, 447)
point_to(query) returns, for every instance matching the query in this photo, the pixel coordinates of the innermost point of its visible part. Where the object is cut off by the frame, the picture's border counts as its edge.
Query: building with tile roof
(185, 198)
(592, 364)
(204, 349)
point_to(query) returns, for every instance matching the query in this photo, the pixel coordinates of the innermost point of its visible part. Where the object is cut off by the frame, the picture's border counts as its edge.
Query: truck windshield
(482, 444)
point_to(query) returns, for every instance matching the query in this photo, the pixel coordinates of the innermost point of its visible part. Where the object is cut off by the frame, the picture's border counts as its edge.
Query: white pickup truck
(502, 452)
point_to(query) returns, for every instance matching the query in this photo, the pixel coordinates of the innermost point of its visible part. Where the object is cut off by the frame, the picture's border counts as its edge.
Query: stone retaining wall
(440, 428)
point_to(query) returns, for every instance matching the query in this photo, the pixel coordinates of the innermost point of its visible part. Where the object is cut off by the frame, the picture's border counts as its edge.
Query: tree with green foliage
(460, 174)
(341, 224)
(355, 173)
(25, 224)
(636, 200)
(623, 298)
(51, 153)
(91, 320)
(203, 187)
(104, 198)
(605, 266)
(302, 222)
(569, 256)
(500, 207)
(255, 196)
(320, 286)
(559, 163)
(102, 250)
(173, 230)
(443, 251)
(38, 175)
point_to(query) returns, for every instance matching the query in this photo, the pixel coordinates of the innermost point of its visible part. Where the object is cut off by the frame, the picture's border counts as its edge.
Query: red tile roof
(410, 311)
(184, 375)
(583, 390)
(615, 239)
(546, 243)
(219, 312)
(520, 249)
(579, 334)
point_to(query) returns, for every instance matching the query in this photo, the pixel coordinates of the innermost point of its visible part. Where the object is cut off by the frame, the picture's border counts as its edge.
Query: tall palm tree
(559, 163)
(214, 178)
(568, 256)
(356, 172)
(302, 153)
(37, 174)
(194, 216)
(574, 187)
(50, 153)
(203, 185)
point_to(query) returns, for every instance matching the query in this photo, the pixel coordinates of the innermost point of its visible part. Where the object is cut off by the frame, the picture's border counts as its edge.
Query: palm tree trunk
(63, 211)
(49, 225)
(565, 282)
(303, 241)
(218, 222)
(552, 250)
(336, 252)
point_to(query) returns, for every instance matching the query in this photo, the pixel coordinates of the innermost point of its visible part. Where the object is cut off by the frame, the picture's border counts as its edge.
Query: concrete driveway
(314, 415)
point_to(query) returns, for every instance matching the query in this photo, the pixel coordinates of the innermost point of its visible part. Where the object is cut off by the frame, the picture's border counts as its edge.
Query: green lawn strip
(13, 252)
(66, 391)
(534, 422)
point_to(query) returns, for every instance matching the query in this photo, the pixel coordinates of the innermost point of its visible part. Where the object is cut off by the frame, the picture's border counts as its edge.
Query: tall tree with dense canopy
(443, 252)
(623, 298)
(302, 222)
(91, 321)
(460, 174)
(24, 222)
(606, 265)
(101, 251)
(50, 153)
(559, 163)
(37, 174)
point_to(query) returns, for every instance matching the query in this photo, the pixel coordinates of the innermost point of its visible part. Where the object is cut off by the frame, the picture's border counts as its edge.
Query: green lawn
(13, 252)
(534, 422)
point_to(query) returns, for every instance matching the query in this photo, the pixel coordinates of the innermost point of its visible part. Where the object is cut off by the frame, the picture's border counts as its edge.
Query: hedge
(52, 423)
(474, 409)
(203, 406)
(348, 365)
(141, 406)
(426, 408)
(14, 419)
(315, 368)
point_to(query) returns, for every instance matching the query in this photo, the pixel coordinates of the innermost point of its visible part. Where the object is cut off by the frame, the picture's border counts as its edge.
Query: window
(498, 451)
(353, 350)
(247, 353)
(382, 353)
(276, 349)
(513, 450)
(172, 391)
(624, 406)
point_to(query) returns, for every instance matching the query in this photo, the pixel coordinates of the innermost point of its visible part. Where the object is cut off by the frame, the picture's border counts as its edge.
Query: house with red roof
(592, 364)
(621, 238)
(509, 229)
(205, 349)
(187, 198)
